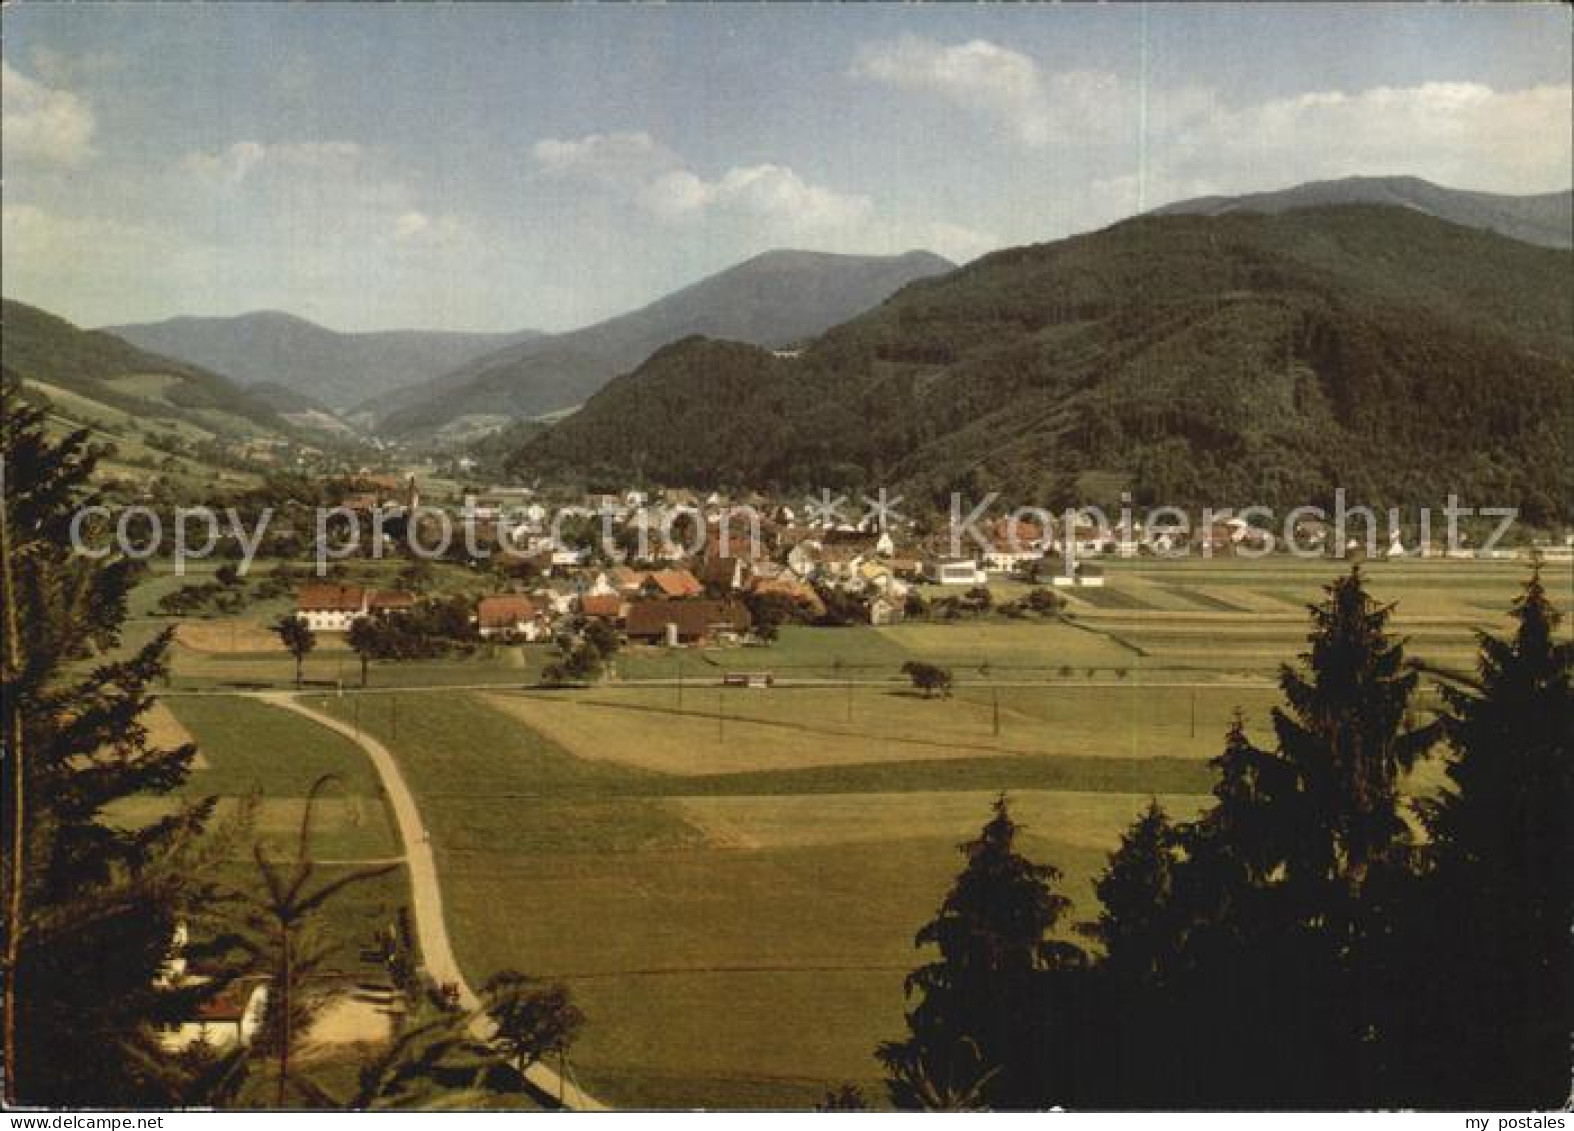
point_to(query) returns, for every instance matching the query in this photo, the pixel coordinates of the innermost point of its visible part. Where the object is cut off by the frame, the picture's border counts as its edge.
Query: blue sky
(497, 167)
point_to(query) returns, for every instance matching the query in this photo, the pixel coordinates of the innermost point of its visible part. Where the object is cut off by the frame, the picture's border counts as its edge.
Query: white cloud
(310, 199)
(1464, 135)
(658, 181)
(609, 158)
(31, 233)
(410, 224)
(231, 165)
(43, 123)
(86, 268)
(995, 82)
(767, 193)
(775, 190)
(240, 160)
(416, 229)
(1461, 134)
(325, 226)
(675, 194)
(760, 206)
(978, 75)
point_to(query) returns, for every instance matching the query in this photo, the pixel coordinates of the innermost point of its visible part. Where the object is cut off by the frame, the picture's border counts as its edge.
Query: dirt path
(426, 893)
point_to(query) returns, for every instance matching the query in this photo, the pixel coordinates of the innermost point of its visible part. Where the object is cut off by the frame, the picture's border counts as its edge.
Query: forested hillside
(1254, 358)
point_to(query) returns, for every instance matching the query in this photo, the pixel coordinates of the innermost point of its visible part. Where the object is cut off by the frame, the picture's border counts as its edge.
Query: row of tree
(432, 628)
(1313, 939)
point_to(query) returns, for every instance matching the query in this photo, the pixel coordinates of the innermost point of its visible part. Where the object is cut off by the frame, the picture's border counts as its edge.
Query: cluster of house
(701, 561)
(668, 606)
(703, 594)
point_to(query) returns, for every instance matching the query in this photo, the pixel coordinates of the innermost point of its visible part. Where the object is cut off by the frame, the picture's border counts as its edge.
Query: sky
(500, 167)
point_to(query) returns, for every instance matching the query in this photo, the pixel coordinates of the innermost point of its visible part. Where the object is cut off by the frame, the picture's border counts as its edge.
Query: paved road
(426, 893)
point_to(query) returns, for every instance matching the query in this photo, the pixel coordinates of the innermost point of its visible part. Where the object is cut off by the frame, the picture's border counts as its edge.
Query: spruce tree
(974, 1029)
(1263, 978)
(1136, 926)
(1343, 734)
(1226, 887)
(1140, 932)
(1344, 737)
(1192, 928)
(1501, 891)
(91, 903)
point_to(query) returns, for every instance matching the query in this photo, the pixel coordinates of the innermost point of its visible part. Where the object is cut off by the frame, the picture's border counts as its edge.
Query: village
(678, 569)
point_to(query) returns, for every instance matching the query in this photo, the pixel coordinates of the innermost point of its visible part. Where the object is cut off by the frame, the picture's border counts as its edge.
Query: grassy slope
(42, 347)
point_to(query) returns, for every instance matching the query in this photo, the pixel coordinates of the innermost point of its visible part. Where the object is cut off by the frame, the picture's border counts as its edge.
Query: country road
(426, 894)
(894, 683)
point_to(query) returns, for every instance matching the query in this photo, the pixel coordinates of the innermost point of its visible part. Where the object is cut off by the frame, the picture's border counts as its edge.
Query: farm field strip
(796, 728)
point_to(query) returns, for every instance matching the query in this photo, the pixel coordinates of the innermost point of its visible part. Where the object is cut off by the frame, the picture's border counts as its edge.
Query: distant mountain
(1229, 360)
(102, 369)
(774, 300)
(335, 369)
(1546, 219)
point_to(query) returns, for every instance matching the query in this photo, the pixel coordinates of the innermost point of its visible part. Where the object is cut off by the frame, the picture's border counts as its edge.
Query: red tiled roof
(693, 618)
(601, 605)
(390, 599)
(329, 598)
(1023, 535)
(676, 583)
(504, 610)
(229, 1004)
(792, 590)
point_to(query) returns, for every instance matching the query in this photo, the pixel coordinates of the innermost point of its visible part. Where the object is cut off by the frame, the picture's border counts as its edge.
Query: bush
(928, 678)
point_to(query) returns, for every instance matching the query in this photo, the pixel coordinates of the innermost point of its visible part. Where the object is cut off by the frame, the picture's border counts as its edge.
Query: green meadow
(729, 879)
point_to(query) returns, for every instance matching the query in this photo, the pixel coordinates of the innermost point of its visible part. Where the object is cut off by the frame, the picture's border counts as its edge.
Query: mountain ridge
(777, 298)
(1543, 219)
(1247, 357)
(336, 368)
